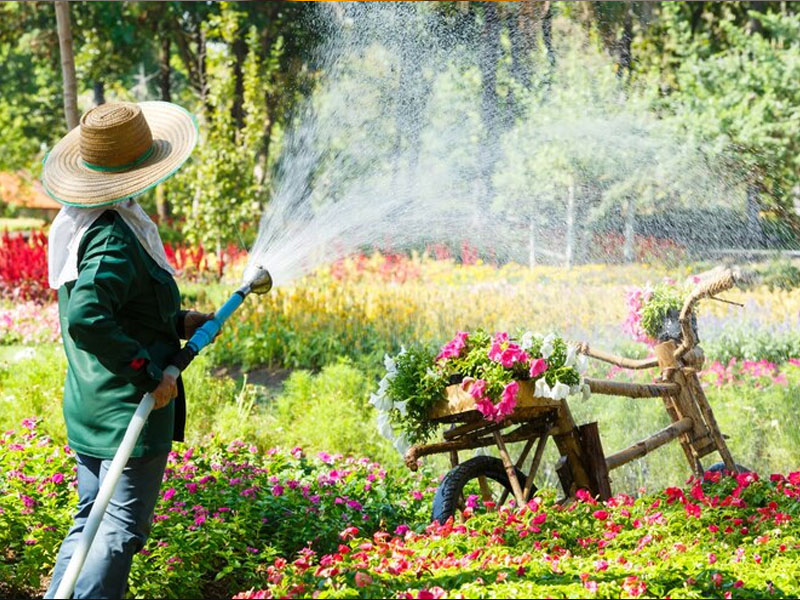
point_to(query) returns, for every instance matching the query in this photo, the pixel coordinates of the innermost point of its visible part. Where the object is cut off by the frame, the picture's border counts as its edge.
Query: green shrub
(330, 412)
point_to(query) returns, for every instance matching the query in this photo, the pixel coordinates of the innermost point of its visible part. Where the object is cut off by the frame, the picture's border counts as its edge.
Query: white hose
(106, 491)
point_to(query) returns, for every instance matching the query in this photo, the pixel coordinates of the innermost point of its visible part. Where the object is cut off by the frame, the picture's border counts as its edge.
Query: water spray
(260, 282)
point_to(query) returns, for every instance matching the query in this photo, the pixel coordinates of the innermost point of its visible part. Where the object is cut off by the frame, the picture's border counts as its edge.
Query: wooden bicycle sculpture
(582, 462)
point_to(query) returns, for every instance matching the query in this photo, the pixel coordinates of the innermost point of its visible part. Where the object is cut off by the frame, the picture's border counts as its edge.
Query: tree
(67, 64)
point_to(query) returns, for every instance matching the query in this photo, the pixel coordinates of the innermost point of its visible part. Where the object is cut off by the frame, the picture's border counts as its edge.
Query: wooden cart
(582, 462)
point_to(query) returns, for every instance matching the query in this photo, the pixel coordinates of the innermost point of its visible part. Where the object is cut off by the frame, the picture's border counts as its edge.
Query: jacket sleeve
(106, 275)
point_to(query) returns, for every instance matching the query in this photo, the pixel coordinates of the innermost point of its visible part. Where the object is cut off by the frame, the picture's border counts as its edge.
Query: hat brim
(69, 181)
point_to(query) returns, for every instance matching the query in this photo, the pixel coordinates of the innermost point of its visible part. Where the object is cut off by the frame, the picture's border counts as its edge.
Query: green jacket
(120, 322)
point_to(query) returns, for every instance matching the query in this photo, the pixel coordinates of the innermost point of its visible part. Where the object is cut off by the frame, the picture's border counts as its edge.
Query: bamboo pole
(626, 363)
(632, 390)
(510, 470)
(658, 439)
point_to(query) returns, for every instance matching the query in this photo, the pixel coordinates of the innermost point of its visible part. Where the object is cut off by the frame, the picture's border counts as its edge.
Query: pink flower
(363, 579)
(277, 490)
(600, 515)
(453, 348)
(57, 478)
(538, 366)
(192, 487)
(712, 558)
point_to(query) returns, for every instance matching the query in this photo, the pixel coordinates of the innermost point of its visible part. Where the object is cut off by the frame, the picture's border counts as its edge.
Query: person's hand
(166, 391)
(193, 320)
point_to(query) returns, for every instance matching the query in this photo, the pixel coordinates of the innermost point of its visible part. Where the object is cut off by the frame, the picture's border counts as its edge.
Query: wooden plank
(565, 477)
(537, 459)
(711, 421)
(510, 470)
(458, 401)
(595, 460)
(523, 433)
(520, 461)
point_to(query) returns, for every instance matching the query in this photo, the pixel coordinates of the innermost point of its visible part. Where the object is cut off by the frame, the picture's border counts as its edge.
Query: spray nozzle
(261, 282)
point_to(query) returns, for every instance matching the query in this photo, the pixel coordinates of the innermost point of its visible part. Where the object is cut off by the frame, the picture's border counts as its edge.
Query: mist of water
(393, 149)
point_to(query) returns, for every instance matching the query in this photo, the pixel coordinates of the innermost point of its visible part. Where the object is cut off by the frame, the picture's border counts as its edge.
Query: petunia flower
(538, 366)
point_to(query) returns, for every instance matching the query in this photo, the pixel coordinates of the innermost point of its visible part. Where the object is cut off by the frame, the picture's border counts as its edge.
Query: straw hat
(120, 150)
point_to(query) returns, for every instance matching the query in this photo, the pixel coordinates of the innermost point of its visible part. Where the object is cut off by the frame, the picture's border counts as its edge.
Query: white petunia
(560, 391)
(572, 352)
(383, 386)
(380, 402)
(527, 340)
(586, 391)
(402, 407)
(541, 389)
(401, 444)
(389, 364)
(547, 345)
(385, 426)
(582, 363)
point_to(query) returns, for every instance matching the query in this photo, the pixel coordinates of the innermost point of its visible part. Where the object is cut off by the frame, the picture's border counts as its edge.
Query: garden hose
(260, 283)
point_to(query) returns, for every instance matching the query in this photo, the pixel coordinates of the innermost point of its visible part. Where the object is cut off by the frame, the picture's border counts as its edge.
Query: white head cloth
(68, 228)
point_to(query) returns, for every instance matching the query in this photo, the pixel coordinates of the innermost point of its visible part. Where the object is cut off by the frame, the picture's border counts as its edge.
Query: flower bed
(223, 511)
(727, 537)
(29, 323)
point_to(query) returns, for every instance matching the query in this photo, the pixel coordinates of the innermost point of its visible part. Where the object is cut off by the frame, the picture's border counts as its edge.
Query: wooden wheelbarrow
(582, 463)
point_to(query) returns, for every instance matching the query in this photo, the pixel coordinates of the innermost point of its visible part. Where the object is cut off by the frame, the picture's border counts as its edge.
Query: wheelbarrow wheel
(721, 468)
(449, 494)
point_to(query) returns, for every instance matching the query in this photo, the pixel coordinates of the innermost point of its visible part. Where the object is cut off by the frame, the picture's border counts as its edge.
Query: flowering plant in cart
(488, 367)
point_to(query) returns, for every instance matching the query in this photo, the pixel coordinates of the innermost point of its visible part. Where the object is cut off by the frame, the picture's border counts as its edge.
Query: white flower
(380, 402)
(391, 366)
(383, 386)
(572, 352)
(401, 444)
(541, 389)
(385, 426)
(582, 363)
(402, 407)
(560, 391)
(586, 391)
(527, 340)
(547, 345)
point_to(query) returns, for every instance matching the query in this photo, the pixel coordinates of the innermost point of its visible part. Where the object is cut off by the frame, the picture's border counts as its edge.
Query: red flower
(600, 515)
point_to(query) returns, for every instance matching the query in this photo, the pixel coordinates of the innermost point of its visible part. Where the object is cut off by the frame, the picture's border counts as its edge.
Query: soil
(272, 379)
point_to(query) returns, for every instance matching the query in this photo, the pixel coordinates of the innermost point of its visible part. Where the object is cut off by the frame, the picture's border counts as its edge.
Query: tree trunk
(489, 58)
(630, 229)
(67, 64)
(99, 93)
(570, 250)
(239, 54)
(165, 69)
(625, 56)
(755, 235)
(532, 243)
(547, 37)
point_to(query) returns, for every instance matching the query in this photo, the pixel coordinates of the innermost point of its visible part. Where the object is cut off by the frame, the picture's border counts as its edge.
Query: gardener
(120, 320)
